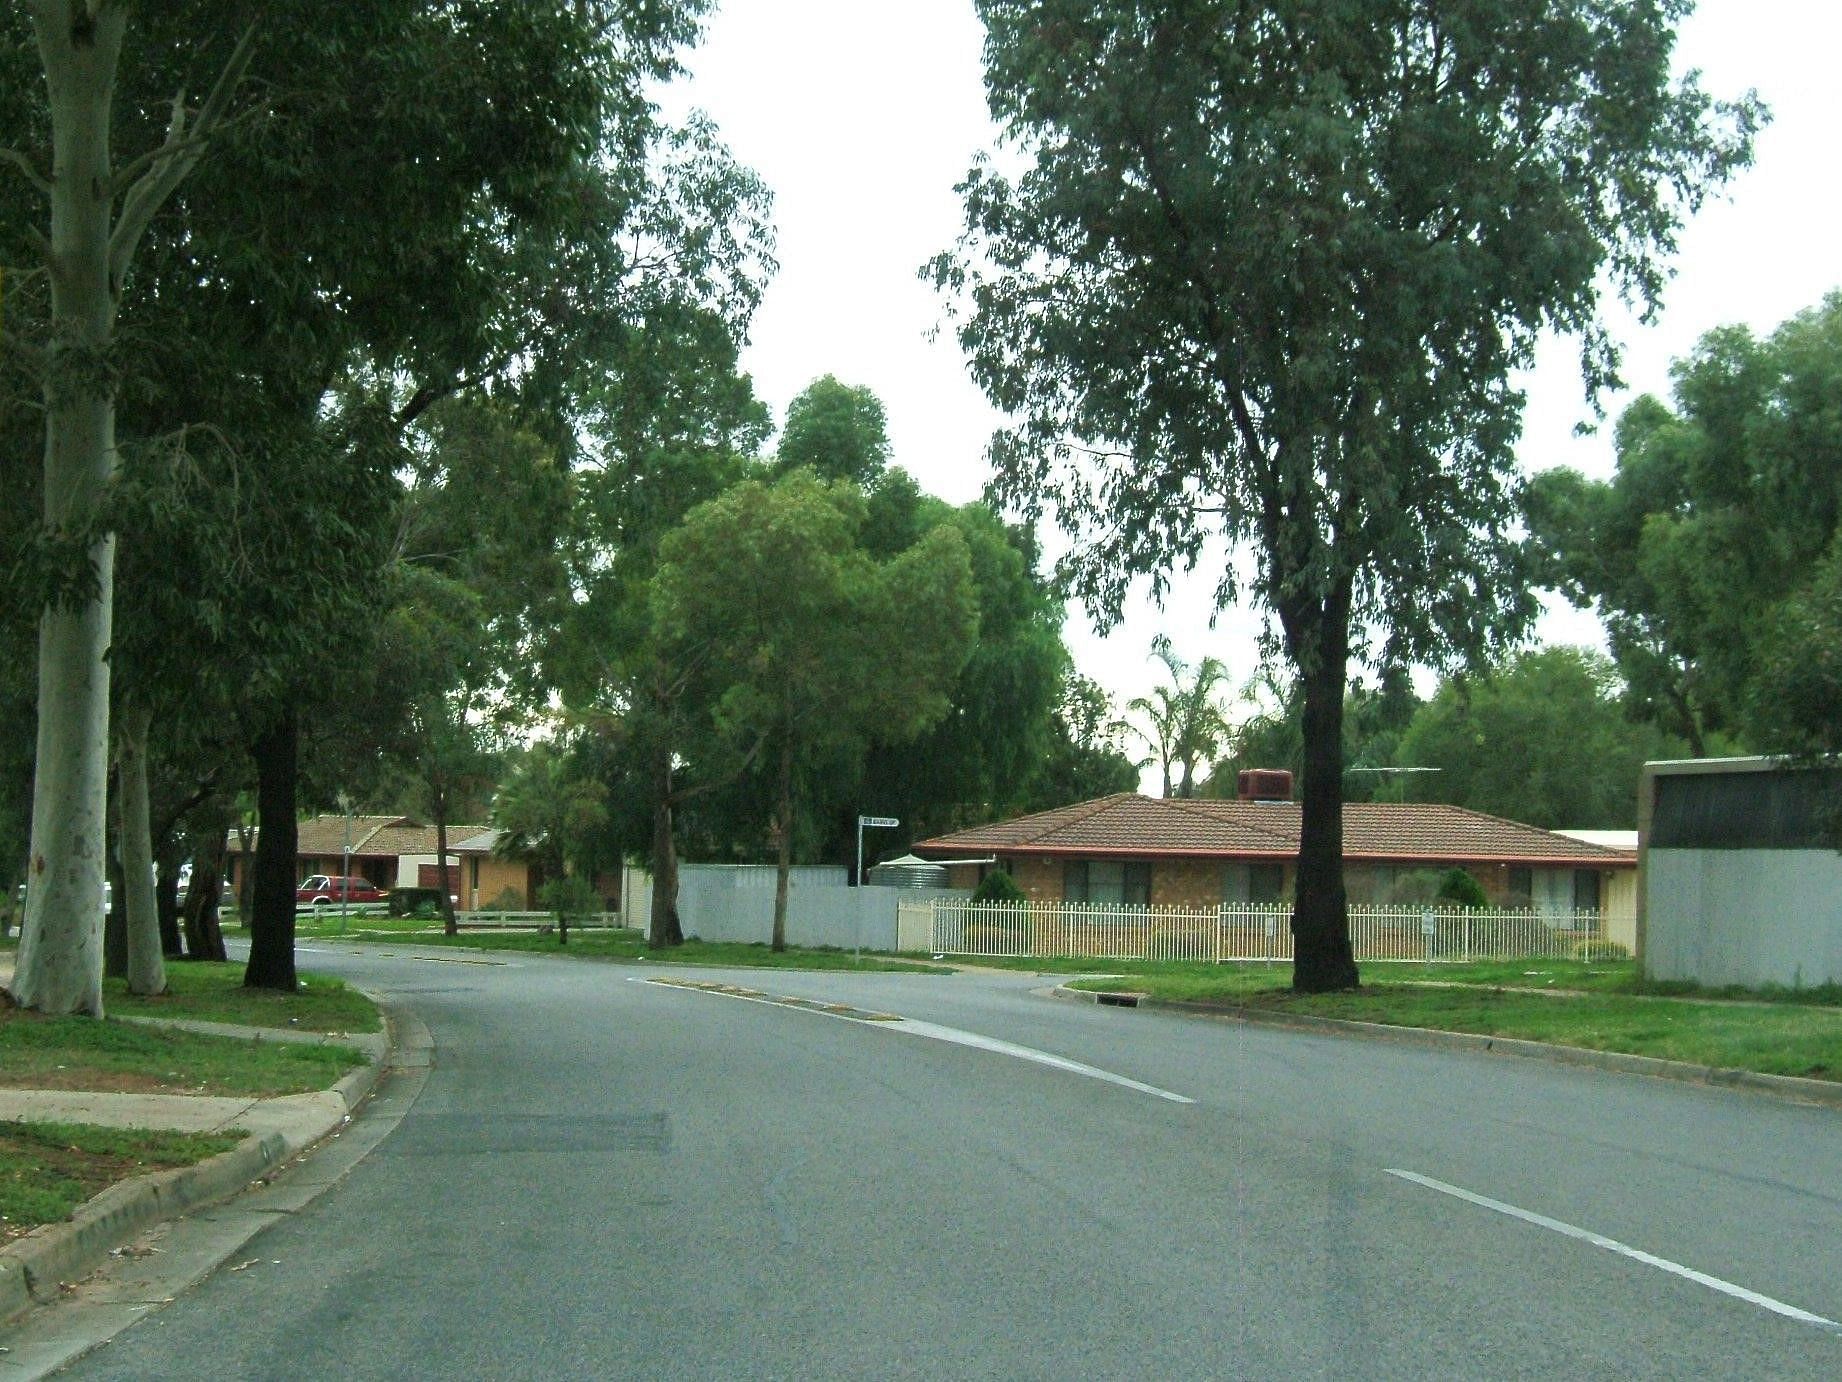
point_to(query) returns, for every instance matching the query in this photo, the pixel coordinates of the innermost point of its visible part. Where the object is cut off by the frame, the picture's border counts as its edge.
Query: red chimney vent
(1263, 784)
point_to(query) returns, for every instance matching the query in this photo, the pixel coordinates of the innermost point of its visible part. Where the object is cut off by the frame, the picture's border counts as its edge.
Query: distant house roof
(373, 837)
(1130, 824)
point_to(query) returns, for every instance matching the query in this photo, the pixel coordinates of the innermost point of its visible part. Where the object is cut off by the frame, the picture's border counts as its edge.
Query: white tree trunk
(146, 959)
(59, 967)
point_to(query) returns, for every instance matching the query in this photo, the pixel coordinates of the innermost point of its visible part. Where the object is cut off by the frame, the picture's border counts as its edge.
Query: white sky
(863, 115)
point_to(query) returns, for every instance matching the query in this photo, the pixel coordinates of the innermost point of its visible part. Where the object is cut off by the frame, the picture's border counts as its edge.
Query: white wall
(723, 903)
(1744, 916)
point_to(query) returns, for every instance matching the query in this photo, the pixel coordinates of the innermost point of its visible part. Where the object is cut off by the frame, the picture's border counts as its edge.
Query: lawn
(207, 992)
(38, 1052)
(48, 1169)
(1603, 1007)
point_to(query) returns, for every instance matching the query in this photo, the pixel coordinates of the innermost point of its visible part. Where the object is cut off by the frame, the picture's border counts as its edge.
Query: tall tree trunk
(246, 867)
(204, 937)
(449, 925)
(783, 815)
(146, 963)
(166, 895)
(1322, 961)
(665, 930)
(271, 917)
(59, 964)
(114, 911)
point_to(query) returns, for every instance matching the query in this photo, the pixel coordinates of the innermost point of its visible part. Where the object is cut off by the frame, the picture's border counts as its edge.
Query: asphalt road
(608, 1177)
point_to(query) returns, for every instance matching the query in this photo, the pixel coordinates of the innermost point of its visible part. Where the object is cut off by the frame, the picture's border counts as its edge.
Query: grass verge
(624, 945)
(47, 1170)
(205, 992)
(1595, 1007)
(38, 1052)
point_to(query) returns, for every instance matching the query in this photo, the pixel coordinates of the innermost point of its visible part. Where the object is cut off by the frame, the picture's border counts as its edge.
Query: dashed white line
(891, 1022)
(1599, 1240)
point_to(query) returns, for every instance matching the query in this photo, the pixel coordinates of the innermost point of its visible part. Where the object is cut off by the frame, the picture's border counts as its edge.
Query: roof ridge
(1189, 803)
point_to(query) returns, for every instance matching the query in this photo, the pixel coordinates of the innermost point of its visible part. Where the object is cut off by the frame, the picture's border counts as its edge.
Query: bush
(1417, 885)
(1460, 887)
(415, 902)
(998, 886)
(1599, 950)
(569, 898)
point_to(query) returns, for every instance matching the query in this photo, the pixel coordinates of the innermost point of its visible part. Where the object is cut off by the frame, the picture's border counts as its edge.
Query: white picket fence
(1252, 931)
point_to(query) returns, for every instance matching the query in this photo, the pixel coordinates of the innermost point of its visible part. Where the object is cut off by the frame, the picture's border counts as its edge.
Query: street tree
(97, 211)
(1266, 278)
(812, 647)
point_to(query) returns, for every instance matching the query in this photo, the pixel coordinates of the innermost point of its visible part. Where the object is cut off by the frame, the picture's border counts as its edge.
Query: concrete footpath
(34, 1268)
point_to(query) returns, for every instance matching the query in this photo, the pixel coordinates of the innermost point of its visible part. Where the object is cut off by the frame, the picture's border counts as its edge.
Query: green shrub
(569, 898)
(1460, 887)
(998, 886)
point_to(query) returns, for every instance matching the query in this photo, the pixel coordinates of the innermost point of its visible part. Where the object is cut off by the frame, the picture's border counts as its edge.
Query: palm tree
(543, 809)
(1183, 723)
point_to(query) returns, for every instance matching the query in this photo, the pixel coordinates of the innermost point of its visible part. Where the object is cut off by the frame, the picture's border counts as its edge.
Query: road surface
(609, 1176)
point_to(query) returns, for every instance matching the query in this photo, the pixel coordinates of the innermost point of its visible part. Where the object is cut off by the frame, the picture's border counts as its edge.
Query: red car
(323, 890)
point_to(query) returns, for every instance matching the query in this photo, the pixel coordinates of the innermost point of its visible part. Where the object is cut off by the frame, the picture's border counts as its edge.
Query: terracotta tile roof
(373, 837)
(1132, 824)
(325, 835)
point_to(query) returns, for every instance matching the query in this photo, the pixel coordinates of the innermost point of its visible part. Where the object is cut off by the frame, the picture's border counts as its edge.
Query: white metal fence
(1255, 931)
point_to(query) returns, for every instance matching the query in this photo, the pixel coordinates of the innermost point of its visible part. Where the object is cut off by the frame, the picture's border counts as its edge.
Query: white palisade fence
(1254, 931)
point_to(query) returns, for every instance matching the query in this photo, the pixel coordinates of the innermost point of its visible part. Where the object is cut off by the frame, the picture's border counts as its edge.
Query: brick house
(1168, 852)
(393, 852)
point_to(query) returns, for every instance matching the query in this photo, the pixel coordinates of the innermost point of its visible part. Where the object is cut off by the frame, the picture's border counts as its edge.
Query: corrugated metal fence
(1253, 931)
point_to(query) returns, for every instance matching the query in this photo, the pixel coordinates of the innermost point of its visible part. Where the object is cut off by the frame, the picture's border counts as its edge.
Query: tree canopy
(1710, 553)
(1266, 277)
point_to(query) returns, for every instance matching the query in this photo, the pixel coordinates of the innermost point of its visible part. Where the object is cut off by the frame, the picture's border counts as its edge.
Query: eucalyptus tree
(1266, 277)
(1702, 552)
(96, 211)
(811, 644)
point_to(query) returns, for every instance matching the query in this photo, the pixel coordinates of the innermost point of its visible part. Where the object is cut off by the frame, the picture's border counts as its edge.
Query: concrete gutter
(33, 1268)
(1827, 1092)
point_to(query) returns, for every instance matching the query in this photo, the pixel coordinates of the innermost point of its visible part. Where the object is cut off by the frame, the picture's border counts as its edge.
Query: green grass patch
(204, 992)
(630, 946)
(47, 1170)
(1568, 1003)
(38, 1052)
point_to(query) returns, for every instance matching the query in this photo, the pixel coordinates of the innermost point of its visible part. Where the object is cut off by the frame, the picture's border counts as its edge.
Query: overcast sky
(862, 116)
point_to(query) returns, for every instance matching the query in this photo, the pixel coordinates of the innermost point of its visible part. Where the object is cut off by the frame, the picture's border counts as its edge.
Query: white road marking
(1029, 1053)
(889, 1022)
(1599, 1240)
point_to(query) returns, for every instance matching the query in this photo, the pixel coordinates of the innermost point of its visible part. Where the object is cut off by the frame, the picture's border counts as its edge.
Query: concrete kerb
(32, 1267)
(1825, 1092)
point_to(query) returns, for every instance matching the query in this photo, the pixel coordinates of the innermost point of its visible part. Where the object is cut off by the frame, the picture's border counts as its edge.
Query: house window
(1266, 881)
(1521, 888)
(1109, 881)
(1586, 890)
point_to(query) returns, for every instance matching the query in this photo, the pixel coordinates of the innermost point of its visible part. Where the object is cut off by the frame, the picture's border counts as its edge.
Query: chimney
(1263, 784)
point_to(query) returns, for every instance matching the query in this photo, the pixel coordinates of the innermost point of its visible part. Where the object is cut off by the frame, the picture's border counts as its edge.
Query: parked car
(323, 890)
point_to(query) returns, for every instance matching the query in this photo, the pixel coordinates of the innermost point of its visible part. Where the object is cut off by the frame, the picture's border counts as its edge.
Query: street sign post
(866, 823)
